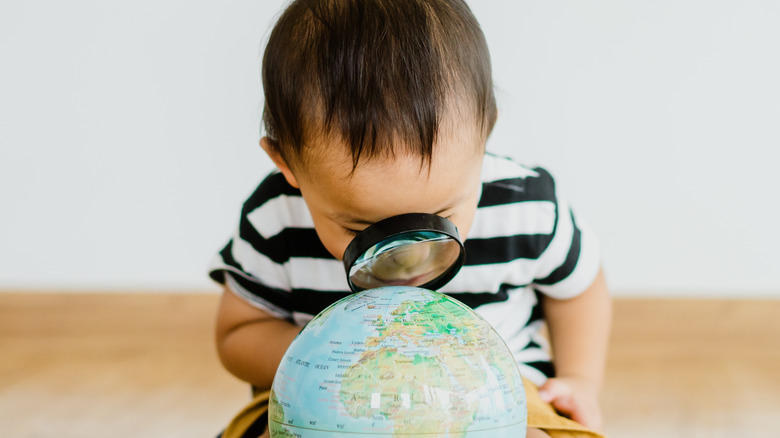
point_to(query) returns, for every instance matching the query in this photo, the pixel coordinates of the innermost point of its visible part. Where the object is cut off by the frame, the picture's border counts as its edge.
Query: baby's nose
(412, 256)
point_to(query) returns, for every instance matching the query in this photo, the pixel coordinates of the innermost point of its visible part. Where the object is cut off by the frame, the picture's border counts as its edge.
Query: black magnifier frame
(396, 226)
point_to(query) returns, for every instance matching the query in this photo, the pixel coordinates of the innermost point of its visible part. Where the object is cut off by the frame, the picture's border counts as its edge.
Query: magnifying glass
(415, 249)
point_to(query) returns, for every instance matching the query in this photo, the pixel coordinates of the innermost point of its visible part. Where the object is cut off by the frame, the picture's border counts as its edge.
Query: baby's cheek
(334, 240)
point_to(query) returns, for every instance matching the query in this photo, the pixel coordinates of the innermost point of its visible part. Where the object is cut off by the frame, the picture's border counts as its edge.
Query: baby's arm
(579, 334)
(251, 342)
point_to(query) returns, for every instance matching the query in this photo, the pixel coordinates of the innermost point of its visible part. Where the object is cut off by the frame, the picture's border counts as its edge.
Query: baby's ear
(271, 149)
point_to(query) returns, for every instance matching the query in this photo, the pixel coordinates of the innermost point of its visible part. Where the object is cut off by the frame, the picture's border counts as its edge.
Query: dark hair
(374, 72)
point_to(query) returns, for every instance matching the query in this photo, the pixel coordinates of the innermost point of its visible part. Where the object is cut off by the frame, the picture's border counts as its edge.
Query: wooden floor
(144, 366)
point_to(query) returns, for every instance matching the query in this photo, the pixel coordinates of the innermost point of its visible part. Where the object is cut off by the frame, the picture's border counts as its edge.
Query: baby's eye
(351, 231)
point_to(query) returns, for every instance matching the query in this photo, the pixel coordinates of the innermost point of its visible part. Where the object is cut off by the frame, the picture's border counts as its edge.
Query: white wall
(128, 135)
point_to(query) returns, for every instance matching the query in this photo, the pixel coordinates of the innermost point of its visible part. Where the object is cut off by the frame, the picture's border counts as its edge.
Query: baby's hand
(574, 397)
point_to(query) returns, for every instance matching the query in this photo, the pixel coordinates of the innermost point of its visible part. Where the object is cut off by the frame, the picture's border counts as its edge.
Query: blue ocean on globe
(398, 362)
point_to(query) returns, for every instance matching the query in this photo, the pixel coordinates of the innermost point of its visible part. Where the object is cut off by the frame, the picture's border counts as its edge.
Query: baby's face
(342, 205)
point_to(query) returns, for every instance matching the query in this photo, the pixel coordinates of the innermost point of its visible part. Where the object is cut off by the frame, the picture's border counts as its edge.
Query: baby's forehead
(398, 171)
(457, 133)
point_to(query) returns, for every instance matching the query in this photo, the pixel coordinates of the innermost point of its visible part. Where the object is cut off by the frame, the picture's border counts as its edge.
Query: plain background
(129, 130)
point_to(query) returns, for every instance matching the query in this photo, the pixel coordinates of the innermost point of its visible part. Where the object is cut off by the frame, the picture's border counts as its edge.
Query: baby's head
(376, 108)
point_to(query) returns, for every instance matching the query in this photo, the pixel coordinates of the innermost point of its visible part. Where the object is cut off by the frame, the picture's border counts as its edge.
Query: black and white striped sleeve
(251, 264)
(571, 260)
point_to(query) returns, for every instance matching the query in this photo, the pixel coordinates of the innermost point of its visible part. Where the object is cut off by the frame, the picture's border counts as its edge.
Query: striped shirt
(525, 241)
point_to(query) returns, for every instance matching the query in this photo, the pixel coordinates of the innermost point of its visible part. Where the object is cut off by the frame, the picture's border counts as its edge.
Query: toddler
(374, 109)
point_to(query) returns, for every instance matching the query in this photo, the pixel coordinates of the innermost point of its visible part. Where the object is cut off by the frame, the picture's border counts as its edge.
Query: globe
(398, 361)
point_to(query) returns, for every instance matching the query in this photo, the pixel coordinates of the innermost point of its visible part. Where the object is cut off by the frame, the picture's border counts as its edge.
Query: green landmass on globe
(398, 361)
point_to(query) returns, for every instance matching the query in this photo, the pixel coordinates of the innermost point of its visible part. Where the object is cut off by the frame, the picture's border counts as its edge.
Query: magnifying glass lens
(414, 258)
(413, 249)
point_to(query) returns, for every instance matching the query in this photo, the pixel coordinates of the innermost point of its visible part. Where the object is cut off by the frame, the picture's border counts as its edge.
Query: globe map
(398, 361)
